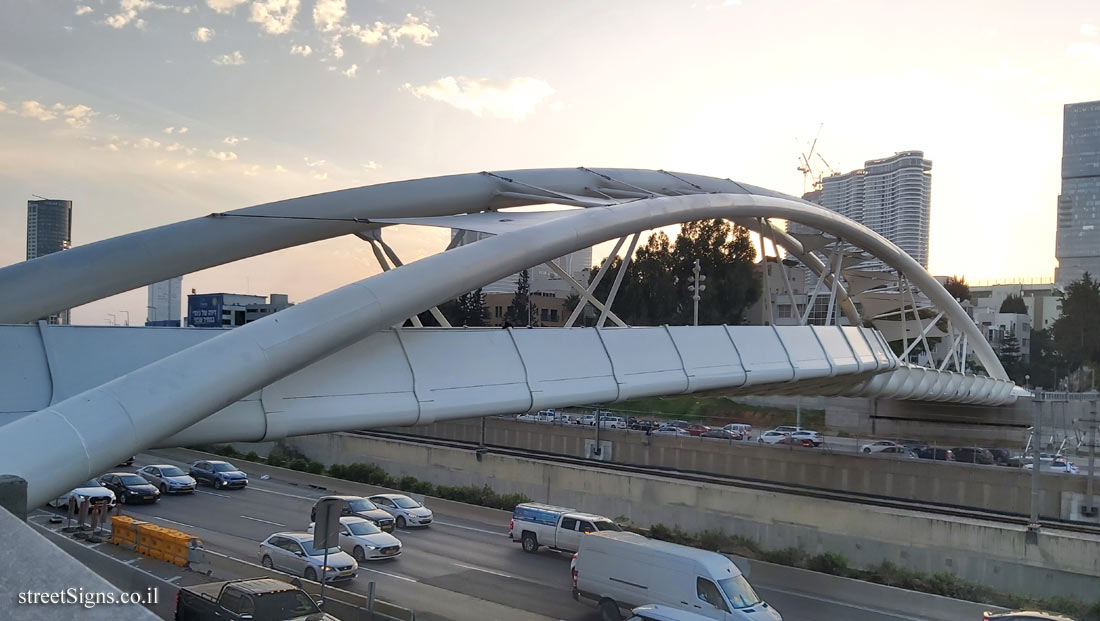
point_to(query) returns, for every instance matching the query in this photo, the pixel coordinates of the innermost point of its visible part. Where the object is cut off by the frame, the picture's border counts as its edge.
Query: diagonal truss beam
(586, 296)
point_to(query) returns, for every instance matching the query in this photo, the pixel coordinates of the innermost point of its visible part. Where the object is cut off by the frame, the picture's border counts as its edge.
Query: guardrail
(157, 542)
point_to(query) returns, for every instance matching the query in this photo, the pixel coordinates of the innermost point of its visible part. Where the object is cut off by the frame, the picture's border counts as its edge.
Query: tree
(471, 310)
(957, 287)
(1014, 304)
(522, 312)
(1077, 331)
(1044, 361)
(1009, 354)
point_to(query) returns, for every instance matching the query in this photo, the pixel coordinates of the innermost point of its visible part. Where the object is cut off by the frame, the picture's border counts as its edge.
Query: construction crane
(806, 168)
(832, 171)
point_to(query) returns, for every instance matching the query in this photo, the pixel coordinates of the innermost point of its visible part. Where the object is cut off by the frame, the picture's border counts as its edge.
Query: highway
(441, 567)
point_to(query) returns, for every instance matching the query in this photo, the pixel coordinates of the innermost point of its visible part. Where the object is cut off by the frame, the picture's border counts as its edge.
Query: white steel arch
(60, 445)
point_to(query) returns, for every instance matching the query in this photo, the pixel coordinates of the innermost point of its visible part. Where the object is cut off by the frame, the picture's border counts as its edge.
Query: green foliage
(252, 456)
(1045, 363)
(784, 556)
(957, 287)
(483, 496)
(1014, 304)
(1077, 331)
(522, 311)
(1009, 355)
(371, 474)
(717, 410)
(828, 563)
(470, 310)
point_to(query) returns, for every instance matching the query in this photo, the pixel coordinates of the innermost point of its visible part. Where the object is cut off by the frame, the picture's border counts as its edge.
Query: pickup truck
(261, 599)
(559, 528)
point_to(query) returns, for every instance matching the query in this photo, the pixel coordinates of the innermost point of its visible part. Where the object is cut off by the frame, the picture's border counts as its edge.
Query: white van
(617, 570)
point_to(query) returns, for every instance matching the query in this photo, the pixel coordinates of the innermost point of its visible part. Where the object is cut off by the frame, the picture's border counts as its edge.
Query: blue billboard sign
(204, 311)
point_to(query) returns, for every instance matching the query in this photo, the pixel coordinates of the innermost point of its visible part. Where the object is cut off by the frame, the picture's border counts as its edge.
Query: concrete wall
(994, 488)
(1059, 564)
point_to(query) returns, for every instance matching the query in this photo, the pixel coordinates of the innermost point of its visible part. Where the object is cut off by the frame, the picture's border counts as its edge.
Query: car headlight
(372, 547)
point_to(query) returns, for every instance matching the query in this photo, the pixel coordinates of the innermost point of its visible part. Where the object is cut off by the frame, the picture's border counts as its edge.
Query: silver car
(294, 553)
(365, 541)
(168, 479)
(405, 510)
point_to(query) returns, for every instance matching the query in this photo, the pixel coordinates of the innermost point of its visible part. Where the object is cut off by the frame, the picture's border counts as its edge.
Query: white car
(742, 428)
(588, 419)
(405, 510)
(168, 479)
(671, 430)
(652, 612)
(364, 541)
(545, 416)
(772, 436)
(294, 553)
(612, 422)
(876, 447)
(90, 489)
(1060, 465)
(806, 434)
(527, 418)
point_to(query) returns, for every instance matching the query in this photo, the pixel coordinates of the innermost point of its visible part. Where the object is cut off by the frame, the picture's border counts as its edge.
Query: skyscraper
(1077, 245)
(891, 196)
(165, 300)
(49, 230)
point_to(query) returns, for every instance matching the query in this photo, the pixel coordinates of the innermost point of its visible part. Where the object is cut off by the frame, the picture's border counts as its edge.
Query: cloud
(300, 50)
(129, 9)
(233, 140)
(327, 14)
(203, 34)
(234, 59)
(414, 30)
(147, 143)
(371, 165)
(512, 99)
(351, 71)
(175, 146)
(320, 176)
(279, 168)
(34, 110)
(175, 130)
(313, 163)
(224, 6)
(223, 156)
(274, 16)
(1089, 52)
(83, 10)
(252, 170)
(79, 116)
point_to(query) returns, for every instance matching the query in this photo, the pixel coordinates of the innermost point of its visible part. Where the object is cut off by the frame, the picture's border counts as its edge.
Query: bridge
(76, 400)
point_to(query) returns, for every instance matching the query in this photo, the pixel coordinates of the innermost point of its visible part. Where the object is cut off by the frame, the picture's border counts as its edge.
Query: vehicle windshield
(405, 502)
(361, 504)
(606, 525)
(133, 479)
(224, 468)
(284, 605)
(310, 550)
(363, 528)
(171, 471)
(739, 592)
(90, 483)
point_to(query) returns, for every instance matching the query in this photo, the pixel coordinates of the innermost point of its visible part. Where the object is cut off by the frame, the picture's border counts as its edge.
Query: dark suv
(973, 455)
(359, 507)
(1002, 457)
(940, 454)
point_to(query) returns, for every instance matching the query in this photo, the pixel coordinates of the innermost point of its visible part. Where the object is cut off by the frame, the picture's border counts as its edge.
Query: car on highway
(695, 429)
(612, 422)
(788, 428)
(405, 511)
(91, 490)
(742, 428)
(652, 612)
(900, 451)
(527, 418)
(360, 507)
(973, 455)
(294, 553)
(364, 541)
(1025, 615)
(1004, 457)
(793, 441)
(537, 525)
(168, 479)
(546, 416)
(129, 488)
(723, 434)
(879, 446)
(939, 454)
(1057, 464)
(587, 419)
(251, 598)
(218, 474)
(639, 424)
(807, 434)
(670, 430)
(772, 436)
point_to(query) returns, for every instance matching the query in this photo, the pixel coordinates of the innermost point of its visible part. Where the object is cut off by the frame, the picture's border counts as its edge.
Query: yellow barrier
(158, 542)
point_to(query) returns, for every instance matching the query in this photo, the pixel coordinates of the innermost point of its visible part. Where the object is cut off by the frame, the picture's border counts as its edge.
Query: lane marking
(488, 571)
(264, 521)
(480, 530)
(386, 573)
(157, 517)
(895, 615)
(213, 494)
(174, 579)
(271, 491)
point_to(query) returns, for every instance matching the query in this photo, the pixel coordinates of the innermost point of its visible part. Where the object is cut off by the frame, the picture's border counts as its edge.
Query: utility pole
(1089, 508)
(696, 287)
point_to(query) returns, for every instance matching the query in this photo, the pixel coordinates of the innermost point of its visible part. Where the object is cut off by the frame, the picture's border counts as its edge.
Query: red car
(694, 429)
(788, 440)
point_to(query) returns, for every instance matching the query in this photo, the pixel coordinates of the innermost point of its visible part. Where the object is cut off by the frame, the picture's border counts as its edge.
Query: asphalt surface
(439, 565)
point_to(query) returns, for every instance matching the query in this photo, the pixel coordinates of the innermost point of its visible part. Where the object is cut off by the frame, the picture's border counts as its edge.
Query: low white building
(1043, 300)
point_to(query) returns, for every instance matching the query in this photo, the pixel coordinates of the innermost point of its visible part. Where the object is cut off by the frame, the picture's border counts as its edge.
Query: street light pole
(696, 287)
(127, 316)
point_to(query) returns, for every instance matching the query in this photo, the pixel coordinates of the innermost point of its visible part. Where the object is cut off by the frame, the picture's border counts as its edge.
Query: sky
(145, 113)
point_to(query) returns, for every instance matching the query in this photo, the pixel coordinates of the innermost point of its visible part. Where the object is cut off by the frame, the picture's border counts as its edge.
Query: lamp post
(696, 287)
(127, 317)
(113, 321)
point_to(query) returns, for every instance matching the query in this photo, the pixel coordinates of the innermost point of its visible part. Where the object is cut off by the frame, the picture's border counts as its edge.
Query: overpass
(75, 401)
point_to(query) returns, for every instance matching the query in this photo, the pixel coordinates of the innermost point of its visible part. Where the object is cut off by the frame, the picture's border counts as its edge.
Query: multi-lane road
(459, 568)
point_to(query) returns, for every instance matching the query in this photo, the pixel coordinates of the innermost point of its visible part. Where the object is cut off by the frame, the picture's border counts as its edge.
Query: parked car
(742, 428)
(724, 434)
(618, 568)
(793, 441)
(126, 463)
(566, 419)
(359, 507)
(669, 430)
(788, 428)
(652, 612)
(772, 436)
(130, 488)
(546, 416)
(1003, 457)
(806, 434)
(406, 511)
(559, 528)
(1025, 615)
(168, 479)
(696, 429)
(898, 450)
(219, 474)
(588, 419)
(364, 541)
(92, 490)
(940, 454)
(876, 447)
(644, 425)
(527, 418)
(294, 553)
(973, 455)
(253, 598)
(613, 422)
(1059, 465)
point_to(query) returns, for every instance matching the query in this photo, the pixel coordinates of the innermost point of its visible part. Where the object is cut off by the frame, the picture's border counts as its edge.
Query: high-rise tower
(1077, 245)
(49, 230)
